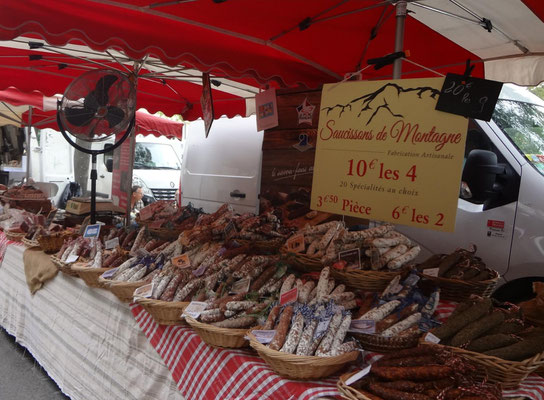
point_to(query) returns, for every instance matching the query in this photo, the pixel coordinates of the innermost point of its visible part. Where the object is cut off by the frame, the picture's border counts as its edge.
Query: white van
(157, 165)
(223, 168)
(502, 213)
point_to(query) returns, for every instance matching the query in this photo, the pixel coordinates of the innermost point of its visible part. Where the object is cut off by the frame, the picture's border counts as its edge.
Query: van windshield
(155, 156)
(524, 124)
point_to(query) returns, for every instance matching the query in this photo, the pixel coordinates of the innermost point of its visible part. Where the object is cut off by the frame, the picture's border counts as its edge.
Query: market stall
(300, 284)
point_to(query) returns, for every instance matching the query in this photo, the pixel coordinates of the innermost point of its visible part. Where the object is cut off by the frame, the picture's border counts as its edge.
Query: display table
(86, 340)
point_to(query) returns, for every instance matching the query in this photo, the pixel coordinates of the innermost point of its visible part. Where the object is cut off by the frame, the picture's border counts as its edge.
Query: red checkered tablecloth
(205, 372)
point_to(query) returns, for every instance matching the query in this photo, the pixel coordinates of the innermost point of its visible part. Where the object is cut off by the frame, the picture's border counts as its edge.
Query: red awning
(44, 114)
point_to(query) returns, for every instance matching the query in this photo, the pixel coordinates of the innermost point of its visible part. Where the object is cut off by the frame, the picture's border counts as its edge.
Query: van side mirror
(480, 173)
(109, 164)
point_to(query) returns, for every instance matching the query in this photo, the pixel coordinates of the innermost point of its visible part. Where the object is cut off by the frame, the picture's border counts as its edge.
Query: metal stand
(94, 176)
(399, 37)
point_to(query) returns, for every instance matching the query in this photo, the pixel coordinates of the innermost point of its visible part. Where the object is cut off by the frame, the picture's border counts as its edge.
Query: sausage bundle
(425, 373)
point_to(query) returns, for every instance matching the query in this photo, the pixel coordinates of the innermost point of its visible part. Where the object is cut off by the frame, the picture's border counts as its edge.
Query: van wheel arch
(518, 290)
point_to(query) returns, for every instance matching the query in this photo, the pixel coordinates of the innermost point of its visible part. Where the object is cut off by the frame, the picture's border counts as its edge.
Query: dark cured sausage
(424, 373)
(392, 394)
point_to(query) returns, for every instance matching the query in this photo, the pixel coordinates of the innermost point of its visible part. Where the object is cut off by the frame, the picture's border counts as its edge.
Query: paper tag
(295, 243)
(322, 327)
(112, 243)
(141, 252)
(431, 272)
(194, 309)
(352, 257)
(359, 375)
(241, 286)
(181, 261)
(230, 230)
(71, 258)
(200, 270)
(156, 224)
(144, 291)
(363, 326)
(50, 217)
(264, 336)
(289, 296)
(110, 273)
(429, 337)
(146, 213)
(92, 231)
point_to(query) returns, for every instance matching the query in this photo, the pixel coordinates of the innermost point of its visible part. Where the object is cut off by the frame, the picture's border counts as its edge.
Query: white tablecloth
(86, 340)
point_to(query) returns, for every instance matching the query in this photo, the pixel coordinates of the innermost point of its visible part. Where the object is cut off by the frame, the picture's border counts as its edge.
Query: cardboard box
(82, 205)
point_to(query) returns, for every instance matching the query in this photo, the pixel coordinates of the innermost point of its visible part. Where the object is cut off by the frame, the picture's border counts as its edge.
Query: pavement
(21, 377)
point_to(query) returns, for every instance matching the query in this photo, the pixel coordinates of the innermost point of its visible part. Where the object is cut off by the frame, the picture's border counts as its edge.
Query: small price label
(431, 272)
(71, 258)
(230, 230)
(351, 257)
(295, 244)
(429, 337)
(241, 286)
(359, 375)
(112, 243)
(200, 270)
(194, 309)
(182, 261)
(50, 217)
(109, 274)
(363, 326)
(144, 291)
(146, 213)
(264, 336)
(289, 296)
(92, 231)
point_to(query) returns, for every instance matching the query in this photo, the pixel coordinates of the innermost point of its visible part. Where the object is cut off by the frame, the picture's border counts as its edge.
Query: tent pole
(399, 37)
(28, 147)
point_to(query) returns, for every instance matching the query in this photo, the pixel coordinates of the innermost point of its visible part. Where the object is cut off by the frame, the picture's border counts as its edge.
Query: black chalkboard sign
(469, 97)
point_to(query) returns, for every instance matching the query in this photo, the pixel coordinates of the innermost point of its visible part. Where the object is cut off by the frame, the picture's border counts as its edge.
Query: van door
(488, 226)
(224, 167)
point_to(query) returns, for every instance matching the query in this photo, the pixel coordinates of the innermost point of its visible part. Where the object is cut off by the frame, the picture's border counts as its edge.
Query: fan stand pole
(94, 176)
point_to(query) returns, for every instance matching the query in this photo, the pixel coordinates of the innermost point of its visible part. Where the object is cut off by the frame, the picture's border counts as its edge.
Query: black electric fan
(96, 106)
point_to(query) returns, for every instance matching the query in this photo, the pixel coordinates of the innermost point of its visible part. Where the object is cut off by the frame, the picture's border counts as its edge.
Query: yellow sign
(384, 153)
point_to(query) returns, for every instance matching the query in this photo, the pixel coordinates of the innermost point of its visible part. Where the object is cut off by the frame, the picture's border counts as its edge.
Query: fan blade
(114, 116)
(102, 88)
(79, 116)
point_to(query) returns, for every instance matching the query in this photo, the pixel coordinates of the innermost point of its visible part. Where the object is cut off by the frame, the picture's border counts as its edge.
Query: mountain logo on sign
(381, 100)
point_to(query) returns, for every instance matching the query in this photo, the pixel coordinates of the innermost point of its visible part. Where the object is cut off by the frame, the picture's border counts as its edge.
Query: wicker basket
(459, 291)
(496, 370)
(89, 275)
(301, 367)
(302, 262)
(219, 337)
(370, 281)
(124, 291)
(382, 344)
(14, 236)
(52, 243)
(346, 391)
(164, 312)
(64, 267)
(30, 243)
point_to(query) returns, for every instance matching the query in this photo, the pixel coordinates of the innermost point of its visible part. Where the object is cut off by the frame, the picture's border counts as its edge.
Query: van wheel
(518, 290)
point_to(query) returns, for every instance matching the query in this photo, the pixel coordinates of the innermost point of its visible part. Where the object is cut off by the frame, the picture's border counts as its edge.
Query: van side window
(506, 187)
